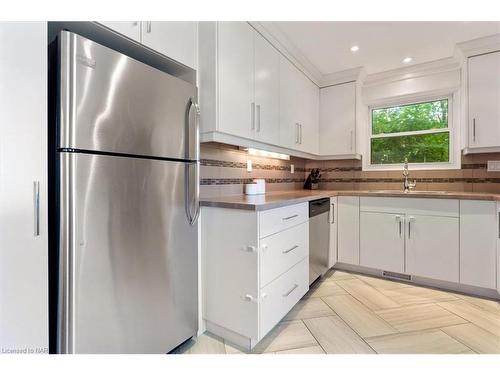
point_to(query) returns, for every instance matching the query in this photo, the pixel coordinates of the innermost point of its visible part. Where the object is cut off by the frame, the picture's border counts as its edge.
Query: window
(418, 132)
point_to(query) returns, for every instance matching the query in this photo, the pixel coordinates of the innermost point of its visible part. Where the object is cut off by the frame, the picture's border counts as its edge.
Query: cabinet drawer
(282, 250)
(274, 221)
(282, 294)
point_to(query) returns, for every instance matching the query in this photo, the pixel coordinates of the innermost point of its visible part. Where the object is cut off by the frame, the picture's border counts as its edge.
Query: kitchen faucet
(407, 185)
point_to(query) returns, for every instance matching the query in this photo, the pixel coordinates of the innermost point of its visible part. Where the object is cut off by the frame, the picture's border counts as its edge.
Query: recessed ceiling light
(406, 60)
(354, 48)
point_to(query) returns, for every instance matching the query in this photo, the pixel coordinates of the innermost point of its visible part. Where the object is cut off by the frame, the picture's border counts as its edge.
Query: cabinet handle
(148, 26)
(410, 219)
(252, 116)
(332, 221)
(498, 224)
(297, 133)
(474, 130)
(290, 217)
(250, 249)
(249, 298)
(36, 207)
(300, 127)
(257, 107)
(398, 219)
(295, 286)
(290, 249)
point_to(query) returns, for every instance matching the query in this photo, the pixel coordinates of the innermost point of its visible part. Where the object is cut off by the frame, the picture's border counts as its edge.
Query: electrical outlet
(493, 165)
(249, 165)
(292, 168)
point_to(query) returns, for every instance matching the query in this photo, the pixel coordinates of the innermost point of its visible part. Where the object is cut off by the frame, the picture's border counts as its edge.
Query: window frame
(452, 136)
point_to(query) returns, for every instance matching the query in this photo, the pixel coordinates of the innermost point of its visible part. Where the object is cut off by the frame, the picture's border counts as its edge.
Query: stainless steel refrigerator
(128, 204)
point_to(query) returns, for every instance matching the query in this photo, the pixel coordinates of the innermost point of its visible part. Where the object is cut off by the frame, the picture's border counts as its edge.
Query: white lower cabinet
(348, 230)
(255, 269)
(441, 239)
(432, 247)
(382, 241)
(478, 243)
(333, 218)
(282, 294)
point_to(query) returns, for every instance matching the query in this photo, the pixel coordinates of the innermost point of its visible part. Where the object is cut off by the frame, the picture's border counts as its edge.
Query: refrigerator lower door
(128, 256)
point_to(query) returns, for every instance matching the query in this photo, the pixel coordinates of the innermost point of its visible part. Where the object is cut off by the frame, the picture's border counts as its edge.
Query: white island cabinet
(255, 269)
(348, 230)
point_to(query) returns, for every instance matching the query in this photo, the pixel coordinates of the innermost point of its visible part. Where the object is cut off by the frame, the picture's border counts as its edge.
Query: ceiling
(382, 45)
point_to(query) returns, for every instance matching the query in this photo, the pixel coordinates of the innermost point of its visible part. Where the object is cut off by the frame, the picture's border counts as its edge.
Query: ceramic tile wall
(223, 172)
(472, 177)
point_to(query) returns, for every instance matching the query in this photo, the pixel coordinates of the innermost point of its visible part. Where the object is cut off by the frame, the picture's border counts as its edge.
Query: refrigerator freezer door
(128, 255)
(113, 103)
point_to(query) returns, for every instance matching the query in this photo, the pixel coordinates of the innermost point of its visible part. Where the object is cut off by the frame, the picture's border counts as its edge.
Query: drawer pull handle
(249, 298)
(295, 286)
(250, 249)
(290, 249)
(290, 217)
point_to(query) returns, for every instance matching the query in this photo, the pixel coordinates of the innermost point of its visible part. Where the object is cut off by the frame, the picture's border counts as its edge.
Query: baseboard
(423, 281)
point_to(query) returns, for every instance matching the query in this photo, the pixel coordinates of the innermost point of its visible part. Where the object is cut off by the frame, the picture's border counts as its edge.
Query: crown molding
(281, 42)
(413, 71)
(343, 76)
(478, 46)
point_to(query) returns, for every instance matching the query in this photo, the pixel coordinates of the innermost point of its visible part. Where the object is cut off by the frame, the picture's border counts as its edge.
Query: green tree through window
(392, 140)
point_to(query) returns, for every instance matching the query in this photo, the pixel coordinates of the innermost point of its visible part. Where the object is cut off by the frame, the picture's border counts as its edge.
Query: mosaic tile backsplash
(223, 172)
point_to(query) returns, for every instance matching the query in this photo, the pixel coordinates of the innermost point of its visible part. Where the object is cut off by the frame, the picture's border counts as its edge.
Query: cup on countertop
(256, 187)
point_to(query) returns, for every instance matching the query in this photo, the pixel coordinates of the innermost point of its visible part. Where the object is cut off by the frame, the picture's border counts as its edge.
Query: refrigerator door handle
(193, 131)
(192, 196)
(193, 201)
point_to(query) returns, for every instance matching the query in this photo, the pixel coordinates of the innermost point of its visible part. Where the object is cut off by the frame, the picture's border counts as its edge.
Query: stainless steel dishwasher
(319, 238)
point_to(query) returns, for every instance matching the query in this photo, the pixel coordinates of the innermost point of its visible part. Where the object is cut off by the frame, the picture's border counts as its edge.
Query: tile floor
(350, 313)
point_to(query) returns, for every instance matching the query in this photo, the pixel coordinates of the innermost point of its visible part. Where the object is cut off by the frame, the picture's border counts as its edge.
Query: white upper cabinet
(290, 107)
(131, 29)
(309, 126)
(337, 119)
(236, 99)
(267, 91)
(175, 39)
(251, 95)
(484, 100)
(299, 109)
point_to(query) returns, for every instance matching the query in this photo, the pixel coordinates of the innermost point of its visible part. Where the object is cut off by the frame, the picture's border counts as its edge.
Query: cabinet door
(382, 241)
(177, 40)
(267, 91)
(333, 218)
(337, 119)
(348, 230)
(309, 132)
(23, 160)
(432, 247)
(478, 240)
(236, 108)
(484, 100)
(290, 103)
(131, 29)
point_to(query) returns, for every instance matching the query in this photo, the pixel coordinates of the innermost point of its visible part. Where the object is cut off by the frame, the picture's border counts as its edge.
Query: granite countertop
(285, 198)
